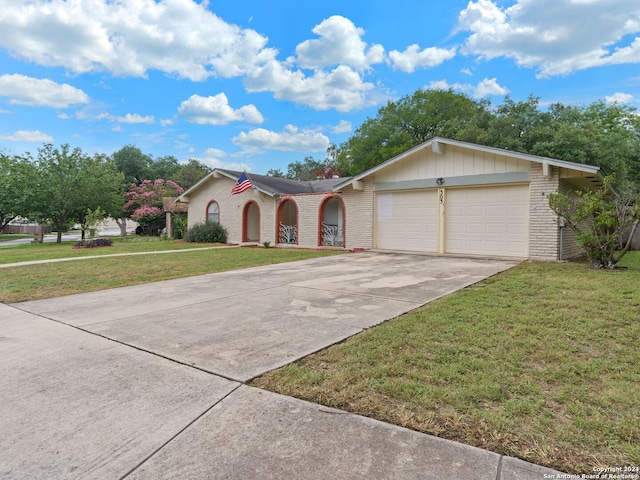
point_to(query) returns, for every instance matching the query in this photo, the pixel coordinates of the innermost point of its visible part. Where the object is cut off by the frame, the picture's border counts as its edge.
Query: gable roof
(434, 143)
(169, 205)
(271, 186)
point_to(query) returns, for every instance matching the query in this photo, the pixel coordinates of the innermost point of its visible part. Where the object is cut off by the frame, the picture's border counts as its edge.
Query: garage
(491, 221)
(407, 221)
(484, 220)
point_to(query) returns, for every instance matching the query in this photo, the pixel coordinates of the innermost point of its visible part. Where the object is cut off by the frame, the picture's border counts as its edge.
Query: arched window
(213, 212)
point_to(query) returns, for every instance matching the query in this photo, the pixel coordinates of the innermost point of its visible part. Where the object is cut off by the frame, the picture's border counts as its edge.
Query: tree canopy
(17, 178)
(606, 135)
(68, 182)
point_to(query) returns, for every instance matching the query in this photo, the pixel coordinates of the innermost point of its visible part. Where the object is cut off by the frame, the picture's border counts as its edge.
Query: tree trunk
(122, 223)
(60, 227)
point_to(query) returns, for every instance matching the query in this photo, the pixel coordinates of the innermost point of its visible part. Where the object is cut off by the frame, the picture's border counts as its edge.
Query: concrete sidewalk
(148, 381)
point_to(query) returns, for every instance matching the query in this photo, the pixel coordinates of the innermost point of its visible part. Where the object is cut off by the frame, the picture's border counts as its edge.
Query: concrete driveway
(148, 381)
(243, 323)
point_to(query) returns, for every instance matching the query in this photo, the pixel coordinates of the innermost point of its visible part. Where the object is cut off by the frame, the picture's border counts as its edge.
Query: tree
(144, 202)
(190, 173)
(17, 178)
(133, 164)
(275, 172)
(600, 221)
(305, 170)
(164, 167)
(408, 122)
(310, 168)
(69, 182)
(607, 135)
(517, 126)
(104, 187)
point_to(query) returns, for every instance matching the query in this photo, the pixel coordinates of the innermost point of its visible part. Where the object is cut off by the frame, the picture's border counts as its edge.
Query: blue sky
(255, 85)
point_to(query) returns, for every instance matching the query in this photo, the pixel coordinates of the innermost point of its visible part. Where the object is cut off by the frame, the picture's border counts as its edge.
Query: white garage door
(407, 221)
(488, 221)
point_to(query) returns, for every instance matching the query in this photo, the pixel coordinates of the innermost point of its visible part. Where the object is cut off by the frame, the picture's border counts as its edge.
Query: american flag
(243, 183)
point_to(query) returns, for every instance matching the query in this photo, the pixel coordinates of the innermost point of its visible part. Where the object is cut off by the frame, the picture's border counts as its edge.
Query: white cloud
(537, 33)
(289, 140)
(342, 127)
(489, 87)
(213, 158)
(485, 88)
(342, 89)
(215, 110)
(413, 58)
(619, 97)
(33, 136)
(340, 43)
(184, 39)
(36, 92)
(131, 118)
(128, 37)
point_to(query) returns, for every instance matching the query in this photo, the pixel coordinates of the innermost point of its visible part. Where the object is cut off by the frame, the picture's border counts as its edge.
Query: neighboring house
(442, 196)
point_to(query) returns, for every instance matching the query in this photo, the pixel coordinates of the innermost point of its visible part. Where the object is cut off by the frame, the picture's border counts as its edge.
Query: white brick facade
(543, 226)
(359, 216)
(456, 165)
(544, 233)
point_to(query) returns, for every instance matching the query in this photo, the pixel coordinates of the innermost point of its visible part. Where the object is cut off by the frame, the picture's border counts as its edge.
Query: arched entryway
(331, 222)
(288, 222)
(251, 222)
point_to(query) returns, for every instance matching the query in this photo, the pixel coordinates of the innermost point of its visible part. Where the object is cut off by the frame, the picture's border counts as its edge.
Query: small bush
(179, 221)
(207, 232)
(96, 242)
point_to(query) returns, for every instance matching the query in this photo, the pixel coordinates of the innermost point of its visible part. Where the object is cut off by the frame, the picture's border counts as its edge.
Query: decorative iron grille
(331, 234)
(288, 233)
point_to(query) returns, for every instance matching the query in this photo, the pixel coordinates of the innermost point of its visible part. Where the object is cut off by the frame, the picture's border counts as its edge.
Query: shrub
(96, 242)
(600, 221)
(206, 232)
(179, 221)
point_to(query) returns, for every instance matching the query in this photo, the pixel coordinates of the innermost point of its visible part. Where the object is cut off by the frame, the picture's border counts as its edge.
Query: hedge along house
(276, 210)
(442, 197)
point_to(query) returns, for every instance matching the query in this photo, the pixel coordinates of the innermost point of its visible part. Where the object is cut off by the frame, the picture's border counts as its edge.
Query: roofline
(474, 146)
(215, 173)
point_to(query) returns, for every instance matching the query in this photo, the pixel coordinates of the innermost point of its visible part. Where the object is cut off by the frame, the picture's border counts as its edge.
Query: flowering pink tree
(144, 202)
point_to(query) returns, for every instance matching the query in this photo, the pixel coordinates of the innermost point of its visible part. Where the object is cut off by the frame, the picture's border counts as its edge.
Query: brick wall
(308, 211)
(570, 247)
(359, 216)
(231, 208)
(543, 226)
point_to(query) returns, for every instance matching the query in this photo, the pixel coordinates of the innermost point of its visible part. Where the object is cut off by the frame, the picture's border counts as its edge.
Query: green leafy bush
(206, 232)
(179, 221)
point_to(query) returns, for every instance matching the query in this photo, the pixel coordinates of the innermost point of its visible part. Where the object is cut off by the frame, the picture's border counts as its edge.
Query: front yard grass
(541, 362)
(33, 282)
(45, 251)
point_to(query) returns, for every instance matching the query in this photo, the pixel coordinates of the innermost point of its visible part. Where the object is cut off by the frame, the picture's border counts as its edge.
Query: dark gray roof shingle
(285, 186)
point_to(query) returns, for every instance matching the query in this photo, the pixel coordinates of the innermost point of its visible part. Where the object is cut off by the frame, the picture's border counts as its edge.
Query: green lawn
(13, 236)
(48, 280)
(45, 251)
(541, 362)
